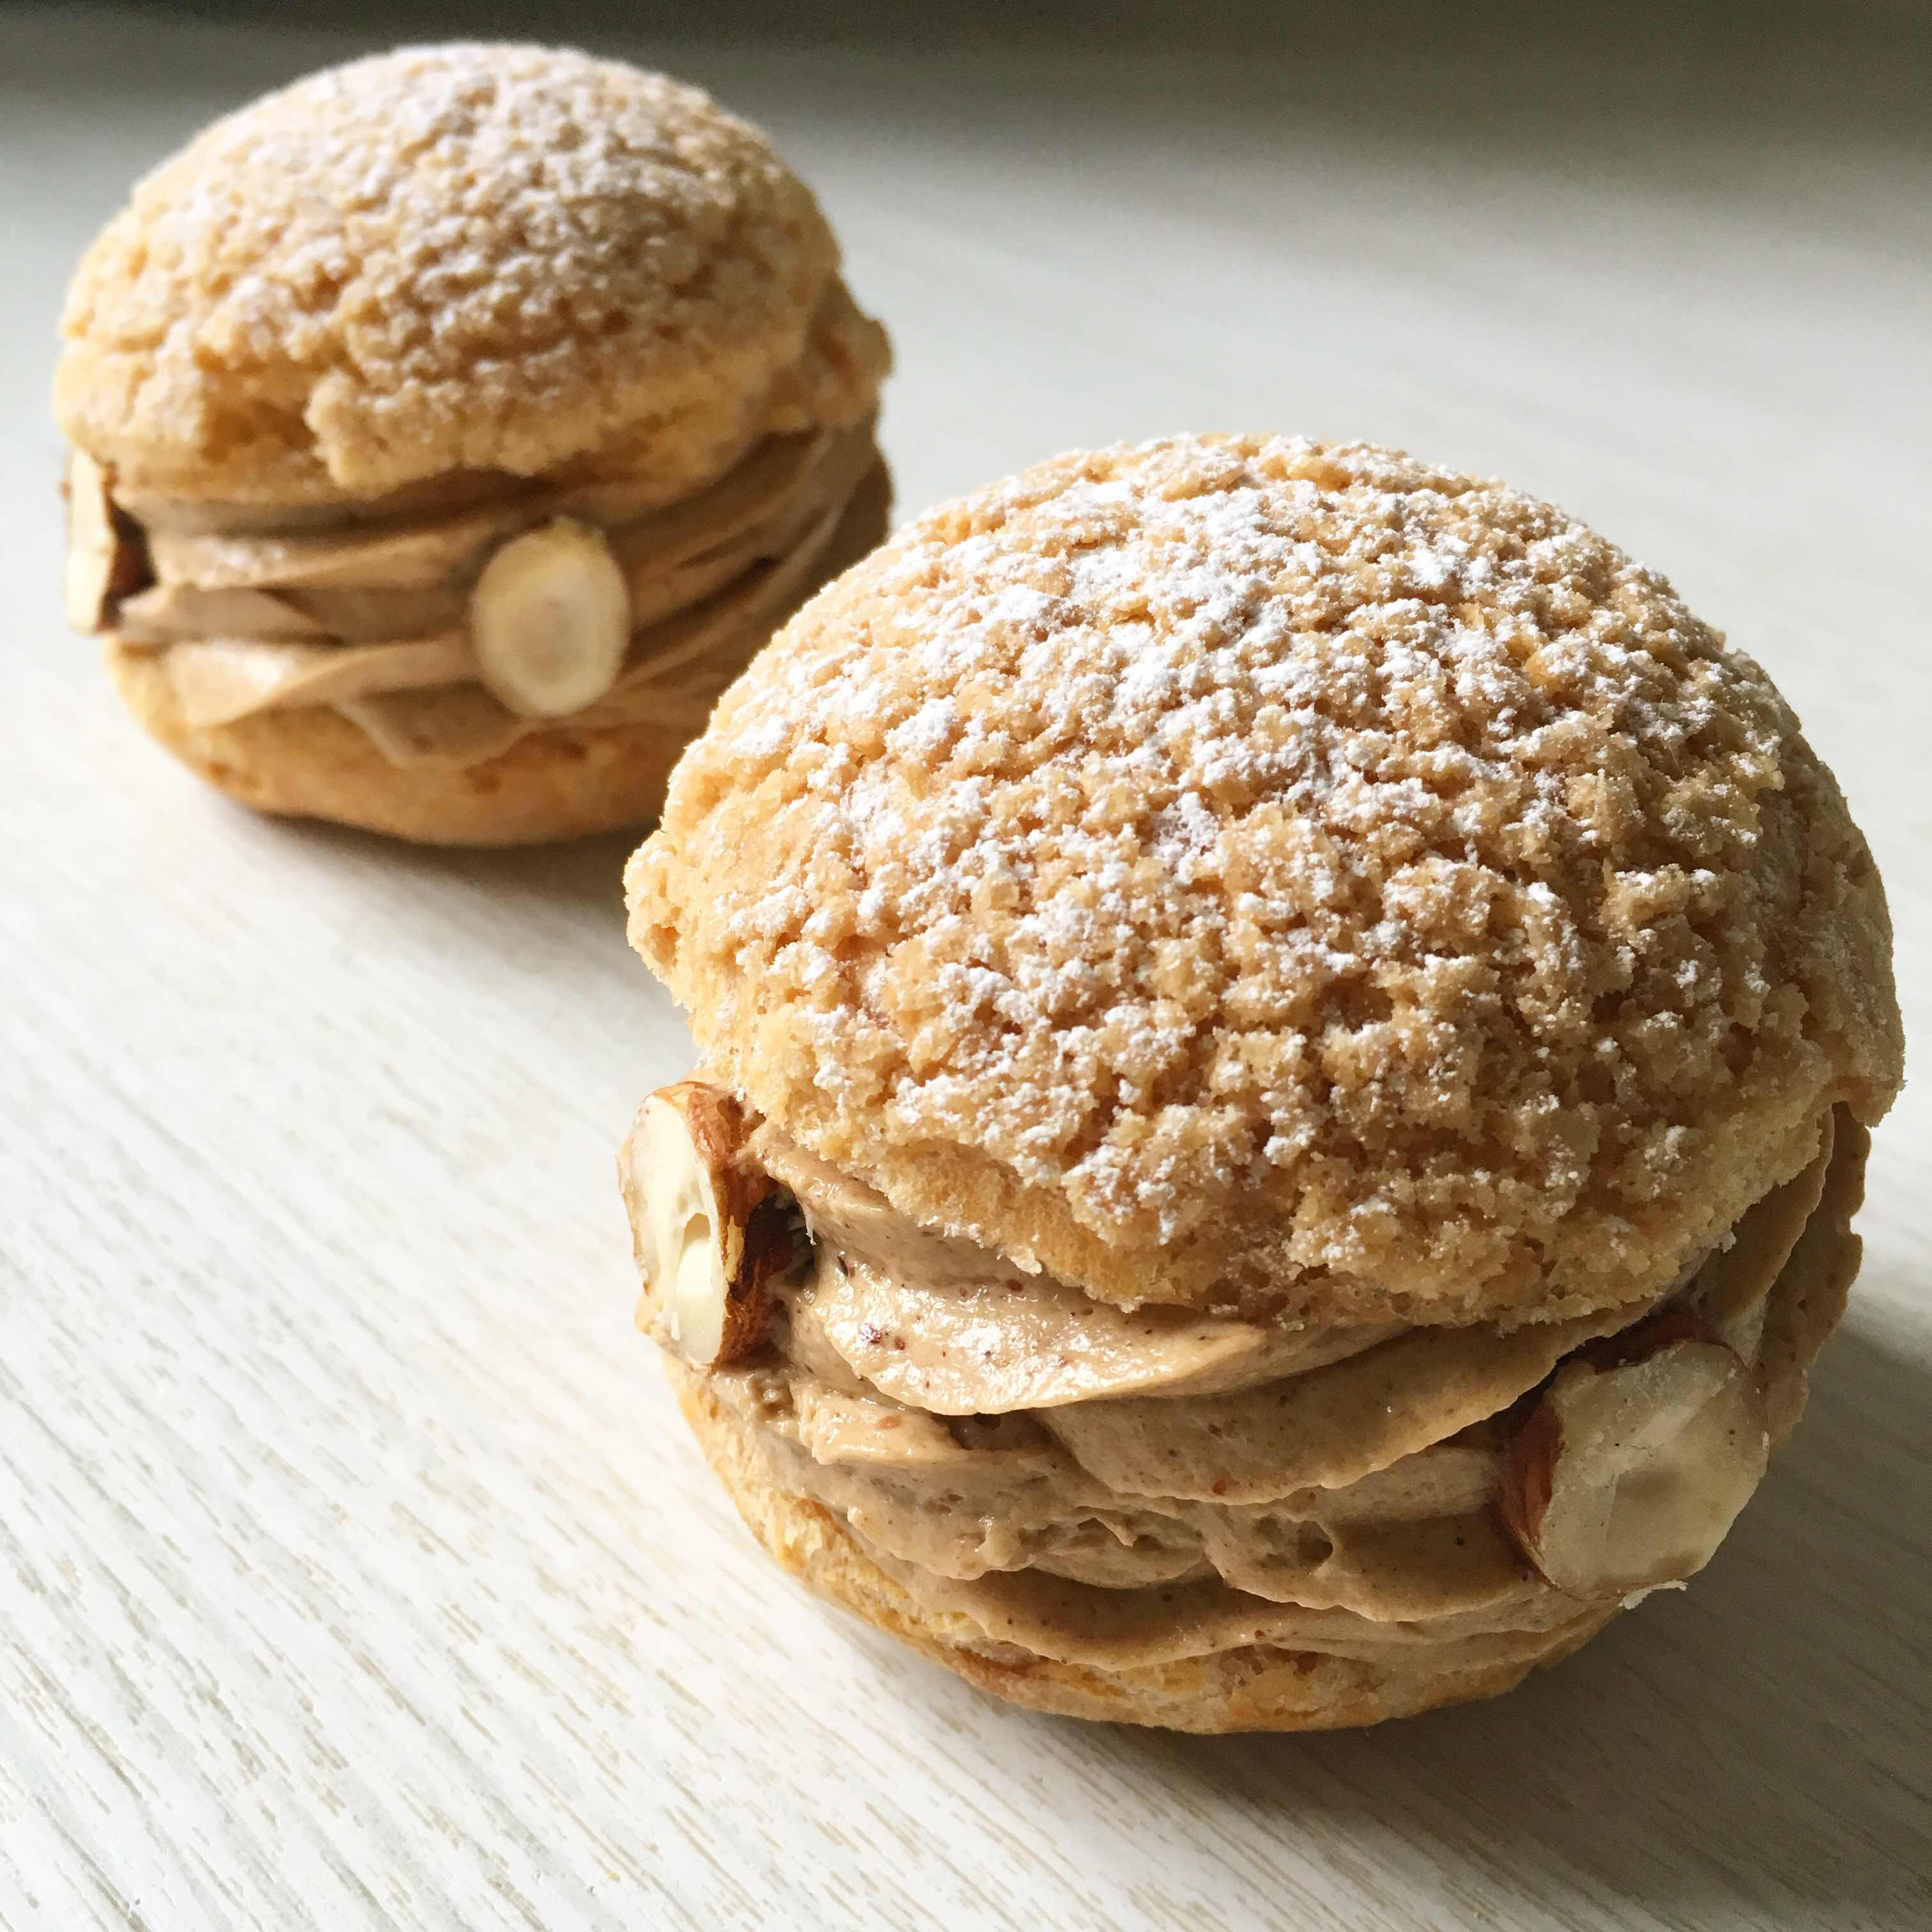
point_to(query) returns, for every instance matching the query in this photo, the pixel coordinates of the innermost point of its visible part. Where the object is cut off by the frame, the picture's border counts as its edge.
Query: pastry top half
(455, 258)
(1261, 876)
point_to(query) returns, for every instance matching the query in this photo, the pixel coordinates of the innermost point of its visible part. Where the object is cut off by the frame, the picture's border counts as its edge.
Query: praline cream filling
(373, 617)
(1118, 1488)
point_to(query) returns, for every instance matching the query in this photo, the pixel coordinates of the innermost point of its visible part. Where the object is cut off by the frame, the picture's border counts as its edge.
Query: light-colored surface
(354, 1571)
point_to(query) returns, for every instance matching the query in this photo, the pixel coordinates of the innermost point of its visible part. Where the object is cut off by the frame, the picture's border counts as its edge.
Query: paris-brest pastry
(1285, 1042)
(449, 428)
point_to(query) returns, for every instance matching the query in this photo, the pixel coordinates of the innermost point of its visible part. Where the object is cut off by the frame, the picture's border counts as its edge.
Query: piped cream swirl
(1118, 1488)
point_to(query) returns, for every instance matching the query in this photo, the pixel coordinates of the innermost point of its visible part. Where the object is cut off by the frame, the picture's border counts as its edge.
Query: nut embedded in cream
(551, 619)
(103, 563)
(1636, 1460)
(709, 1229)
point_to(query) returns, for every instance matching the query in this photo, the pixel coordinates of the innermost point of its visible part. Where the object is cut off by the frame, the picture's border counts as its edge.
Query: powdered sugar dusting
(479, 255)
(1210, 819)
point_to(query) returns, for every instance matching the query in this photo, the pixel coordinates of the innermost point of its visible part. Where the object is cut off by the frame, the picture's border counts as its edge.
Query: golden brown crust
(1262, 1687)
(566, 783)
(1240, 869)
(466, 256)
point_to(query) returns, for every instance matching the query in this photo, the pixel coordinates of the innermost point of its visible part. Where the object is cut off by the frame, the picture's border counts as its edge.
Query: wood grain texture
(353, 1570)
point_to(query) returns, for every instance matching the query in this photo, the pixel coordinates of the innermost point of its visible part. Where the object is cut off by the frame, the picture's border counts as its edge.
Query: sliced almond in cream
(1636, 1462)
(550, 617)
(710, 1228)
(104, 562)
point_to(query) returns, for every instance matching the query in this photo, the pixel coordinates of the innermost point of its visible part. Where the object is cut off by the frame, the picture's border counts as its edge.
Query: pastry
(1286, 1046)
(448, 430)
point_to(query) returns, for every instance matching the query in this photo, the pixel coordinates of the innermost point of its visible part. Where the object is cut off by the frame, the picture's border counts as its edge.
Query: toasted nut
(712, 1229)
(1636, 1461)
(551, 617)
(104, 558)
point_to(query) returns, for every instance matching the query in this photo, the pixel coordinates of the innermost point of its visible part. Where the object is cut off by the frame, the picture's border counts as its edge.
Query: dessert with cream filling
(1286, 1046)
(451, 428)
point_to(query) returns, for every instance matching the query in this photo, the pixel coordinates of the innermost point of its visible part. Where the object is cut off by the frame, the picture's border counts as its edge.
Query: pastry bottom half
(1267, 1685)
(1260, 1687)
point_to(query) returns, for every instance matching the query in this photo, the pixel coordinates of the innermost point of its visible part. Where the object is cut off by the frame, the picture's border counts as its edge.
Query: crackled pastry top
(465, 257)
(1277, 877)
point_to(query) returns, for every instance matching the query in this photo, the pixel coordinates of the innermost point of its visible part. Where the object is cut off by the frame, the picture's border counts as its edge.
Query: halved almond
(550, 617)
(104, 558)
(1636, 1460)
(711, 1228)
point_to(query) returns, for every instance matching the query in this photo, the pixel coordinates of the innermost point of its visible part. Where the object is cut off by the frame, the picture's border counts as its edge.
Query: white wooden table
(353, 1570)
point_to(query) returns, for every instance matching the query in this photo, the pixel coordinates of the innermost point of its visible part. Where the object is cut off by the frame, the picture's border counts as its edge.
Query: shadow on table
(577, 873)
(1754, 1741)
